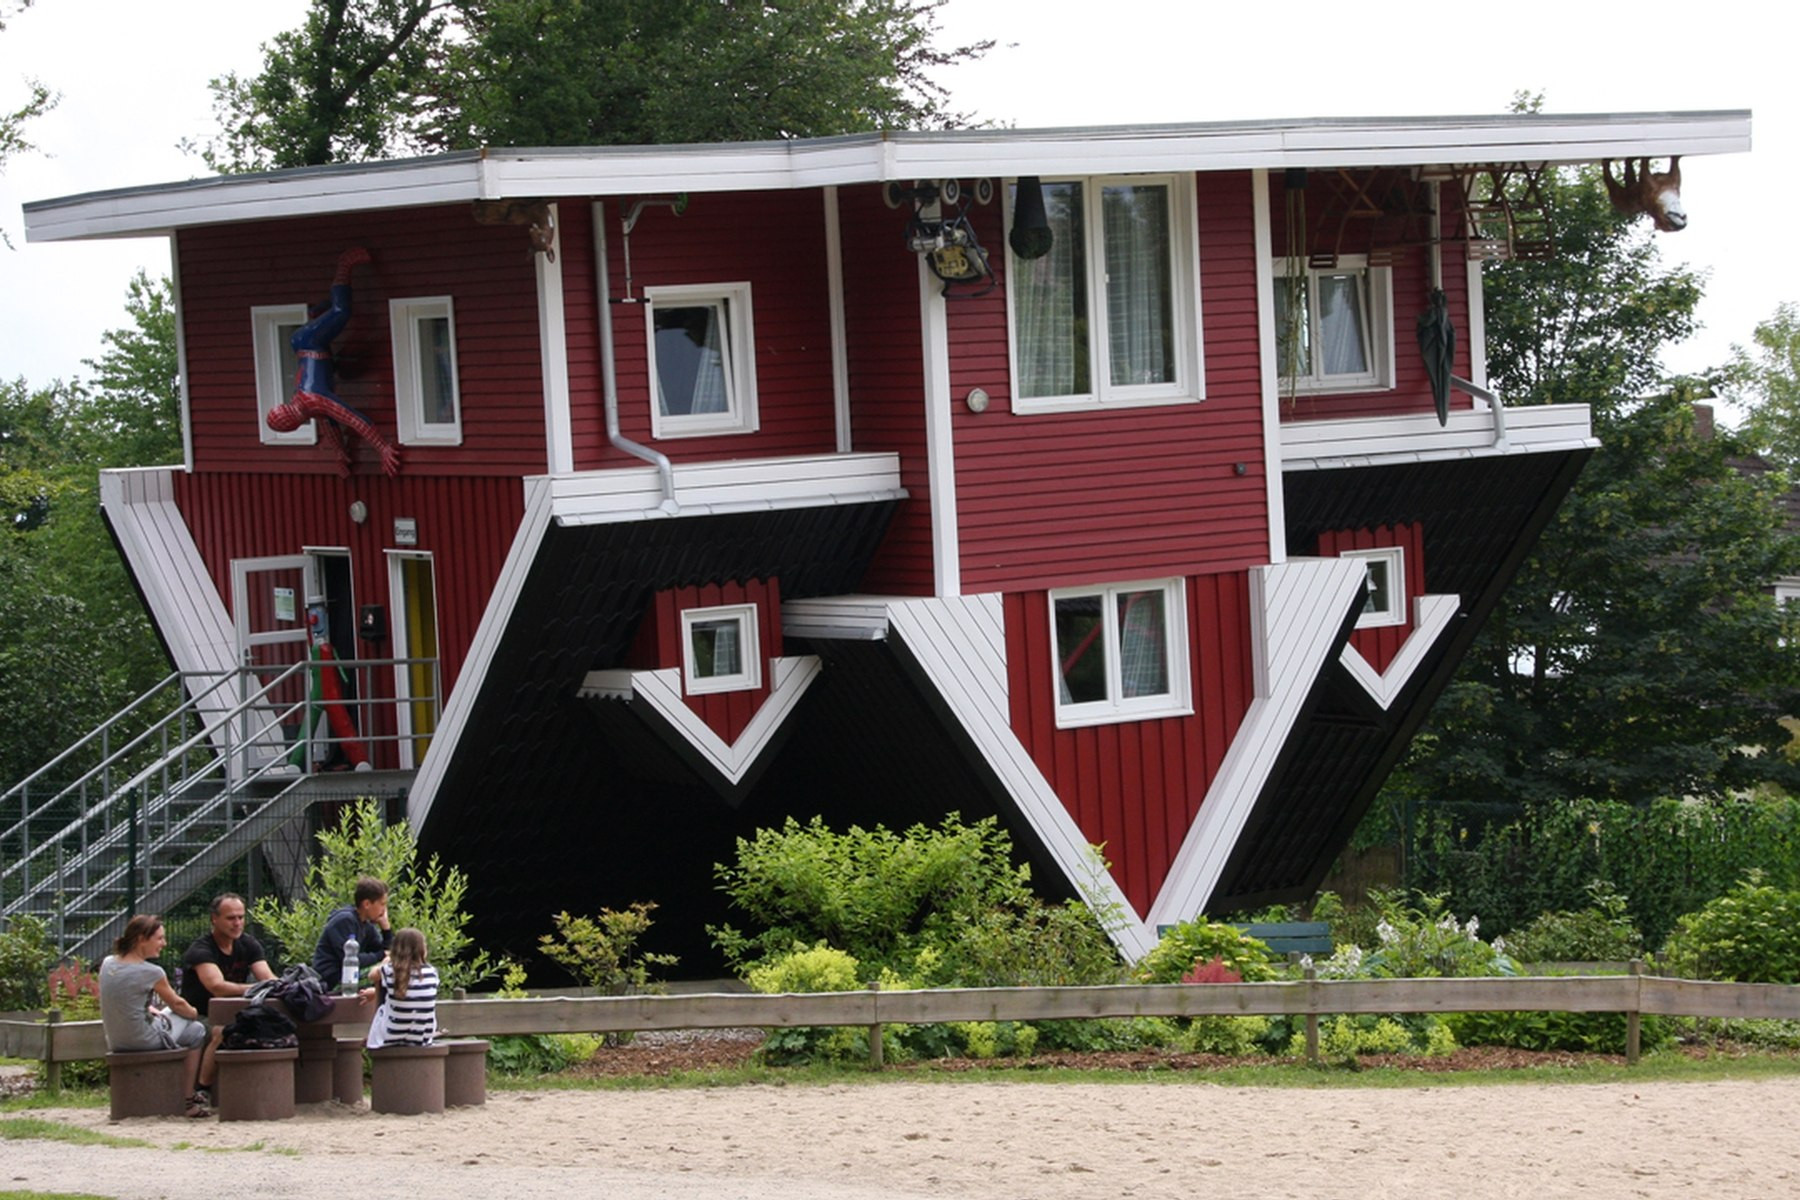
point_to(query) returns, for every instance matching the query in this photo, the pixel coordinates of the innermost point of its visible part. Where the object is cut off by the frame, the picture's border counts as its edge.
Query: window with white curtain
(1110, 315)
(719, 649)
(427, 397)
(702, 360)
(1334, 326)
(1121, 652)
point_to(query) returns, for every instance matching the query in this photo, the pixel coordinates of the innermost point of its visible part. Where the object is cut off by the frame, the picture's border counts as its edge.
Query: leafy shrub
(426, 896)
(1590, 1032)
(25, 960)
(818, 968)
(1343, 1038)
(1122, 1033)
(1601, 932)
(1420, 940)
(1224, 1035)
(1751, 935)
(534, 1053)
(75, 992)
(1351, 925)
(939, 906)
(602, 951)
(1202, 941)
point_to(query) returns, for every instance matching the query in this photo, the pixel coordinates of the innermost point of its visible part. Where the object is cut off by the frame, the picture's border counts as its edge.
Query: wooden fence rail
(1632, 995)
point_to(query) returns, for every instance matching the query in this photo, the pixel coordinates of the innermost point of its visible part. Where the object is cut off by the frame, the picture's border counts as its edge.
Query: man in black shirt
(223, 962)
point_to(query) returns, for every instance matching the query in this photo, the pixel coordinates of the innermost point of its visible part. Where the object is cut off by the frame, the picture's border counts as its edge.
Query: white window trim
(1189, 386)
(1177, 702)
(740, 360)
(273, 385)
(1395, 557)
(749, 651)
(404, 316)
(1381, 330)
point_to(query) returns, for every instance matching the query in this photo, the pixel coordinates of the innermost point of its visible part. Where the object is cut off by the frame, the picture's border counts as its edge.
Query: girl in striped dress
(407, 986)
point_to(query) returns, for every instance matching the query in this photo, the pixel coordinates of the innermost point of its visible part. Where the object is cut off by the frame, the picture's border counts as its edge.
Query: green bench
(1289, 938)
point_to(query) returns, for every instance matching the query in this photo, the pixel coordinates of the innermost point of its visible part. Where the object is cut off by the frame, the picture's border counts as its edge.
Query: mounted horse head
(1656, 195)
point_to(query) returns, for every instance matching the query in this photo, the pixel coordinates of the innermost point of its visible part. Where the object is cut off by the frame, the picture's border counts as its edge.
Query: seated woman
(131, 984)
(407, 986)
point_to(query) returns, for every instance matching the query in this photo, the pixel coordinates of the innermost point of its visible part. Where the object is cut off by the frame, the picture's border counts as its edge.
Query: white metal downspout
(1437, 281)
(609, 388)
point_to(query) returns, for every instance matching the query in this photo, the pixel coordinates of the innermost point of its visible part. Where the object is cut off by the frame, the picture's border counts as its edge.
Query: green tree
(1638, 653)
(372, 78)
(75, 644)
(1766, 381)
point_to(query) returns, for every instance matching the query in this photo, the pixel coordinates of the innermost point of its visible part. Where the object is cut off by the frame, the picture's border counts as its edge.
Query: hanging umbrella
(1437, 342)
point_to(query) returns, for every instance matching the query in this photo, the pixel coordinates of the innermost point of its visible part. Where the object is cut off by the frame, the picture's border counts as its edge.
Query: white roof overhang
(870, 158)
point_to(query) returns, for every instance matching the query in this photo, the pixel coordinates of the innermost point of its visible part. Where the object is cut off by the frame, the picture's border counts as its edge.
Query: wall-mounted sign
(284, 604)
(406, 531)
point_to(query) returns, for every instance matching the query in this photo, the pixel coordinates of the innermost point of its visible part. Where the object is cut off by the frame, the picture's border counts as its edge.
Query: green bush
(1224, 1035)
(1589, 1032)
(940, 906)
(26, 957)
(1601, 932)
(602, 951)
(1202, 941)
(817, 968)
(1343, 1038)
(534, 1053)
(1751, 935)
(74, 991)
(427, 896)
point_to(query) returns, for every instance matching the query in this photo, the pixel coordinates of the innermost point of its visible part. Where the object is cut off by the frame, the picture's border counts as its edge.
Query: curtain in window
(690, 359)
(1140, 298)
(1341, 345)
(1143, 650)
(437, 391)
(710, 394)
(716, 649)
(1051, 297)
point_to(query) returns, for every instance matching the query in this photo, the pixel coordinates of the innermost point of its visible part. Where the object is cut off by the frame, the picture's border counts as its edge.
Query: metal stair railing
(84, 849)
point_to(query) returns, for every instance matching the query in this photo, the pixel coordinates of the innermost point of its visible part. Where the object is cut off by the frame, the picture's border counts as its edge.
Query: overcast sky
(133, 76)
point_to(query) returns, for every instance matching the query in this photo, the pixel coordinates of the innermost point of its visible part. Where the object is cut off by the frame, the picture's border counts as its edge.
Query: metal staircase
(127, 822)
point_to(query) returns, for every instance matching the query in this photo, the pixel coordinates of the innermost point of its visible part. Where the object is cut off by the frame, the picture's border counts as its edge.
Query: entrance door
(268, 607)
(417, 682)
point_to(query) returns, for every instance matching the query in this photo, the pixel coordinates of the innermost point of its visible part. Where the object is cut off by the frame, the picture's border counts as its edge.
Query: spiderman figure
(313, 394)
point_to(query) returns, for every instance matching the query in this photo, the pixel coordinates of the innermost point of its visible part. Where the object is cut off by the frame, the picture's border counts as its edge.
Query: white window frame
(1115, 709)
(404, 316)
(274, 384)
(749, 650)
(739, 328)
(1378, 305)
(1394, 558)
(1189, 384)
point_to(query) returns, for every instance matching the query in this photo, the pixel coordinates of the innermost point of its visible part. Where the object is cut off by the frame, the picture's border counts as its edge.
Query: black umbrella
(1437, 342)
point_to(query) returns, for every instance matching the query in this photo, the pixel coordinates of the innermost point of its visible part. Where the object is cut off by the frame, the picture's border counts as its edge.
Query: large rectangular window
(1334, 326)
(427, 399)
(702, 360)
(1110, 314)
(1121, 652)
(272, 327)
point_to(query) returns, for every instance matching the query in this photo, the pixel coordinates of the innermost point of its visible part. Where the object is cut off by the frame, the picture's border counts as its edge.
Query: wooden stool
(465, 1074)
(256, 1085)
(149, 1083)
(408, 1079)
(347, 1072)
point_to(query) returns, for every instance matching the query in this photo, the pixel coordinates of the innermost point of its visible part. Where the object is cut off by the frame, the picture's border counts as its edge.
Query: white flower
(1499, 945)
(1306, 962)
(1386, 933)
(1474, 924)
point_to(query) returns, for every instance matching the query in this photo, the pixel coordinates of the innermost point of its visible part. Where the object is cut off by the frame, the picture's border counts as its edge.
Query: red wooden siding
(1137, 786)
(487, 271)
(776, 241)
(1379, 644)
(1412, 285)
(1045, 499)
(467, 524)
(658, 645)
(887, 377)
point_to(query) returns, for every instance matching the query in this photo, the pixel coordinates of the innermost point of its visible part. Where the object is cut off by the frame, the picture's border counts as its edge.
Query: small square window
(427, 399)
(1121, 652)
(1334, 327)
(1384, 598)
(719, 649)
(272, 328)
(702, 360)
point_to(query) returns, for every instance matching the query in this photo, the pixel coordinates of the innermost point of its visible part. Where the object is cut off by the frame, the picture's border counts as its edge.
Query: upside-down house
(1136, 486)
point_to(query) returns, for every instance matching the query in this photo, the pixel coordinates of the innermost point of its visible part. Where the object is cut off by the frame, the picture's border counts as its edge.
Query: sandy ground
(1027, 1140)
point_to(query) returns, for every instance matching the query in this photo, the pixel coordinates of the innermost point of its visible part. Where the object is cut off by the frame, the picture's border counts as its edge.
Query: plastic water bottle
(352, 966)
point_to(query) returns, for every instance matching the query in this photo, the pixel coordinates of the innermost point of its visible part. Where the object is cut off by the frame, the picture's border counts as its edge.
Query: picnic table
(323, 1070)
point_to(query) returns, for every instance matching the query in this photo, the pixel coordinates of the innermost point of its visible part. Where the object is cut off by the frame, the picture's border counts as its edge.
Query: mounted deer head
(1657, 196)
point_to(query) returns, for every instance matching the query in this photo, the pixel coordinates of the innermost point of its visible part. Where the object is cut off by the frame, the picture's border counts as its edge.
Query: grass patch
(69, 1097)
(1672, 1065)
(55, 1131)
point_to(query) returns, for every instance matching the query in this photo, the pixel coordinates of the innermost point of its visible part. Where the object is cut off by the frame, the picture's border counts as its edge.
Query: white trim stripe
(553, 350)
(1275, 494)
(1470, 433)
(1431, 616)
(1302, 605)
(739, 485)
(661, 690)
(940, 443)
(865, 158)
